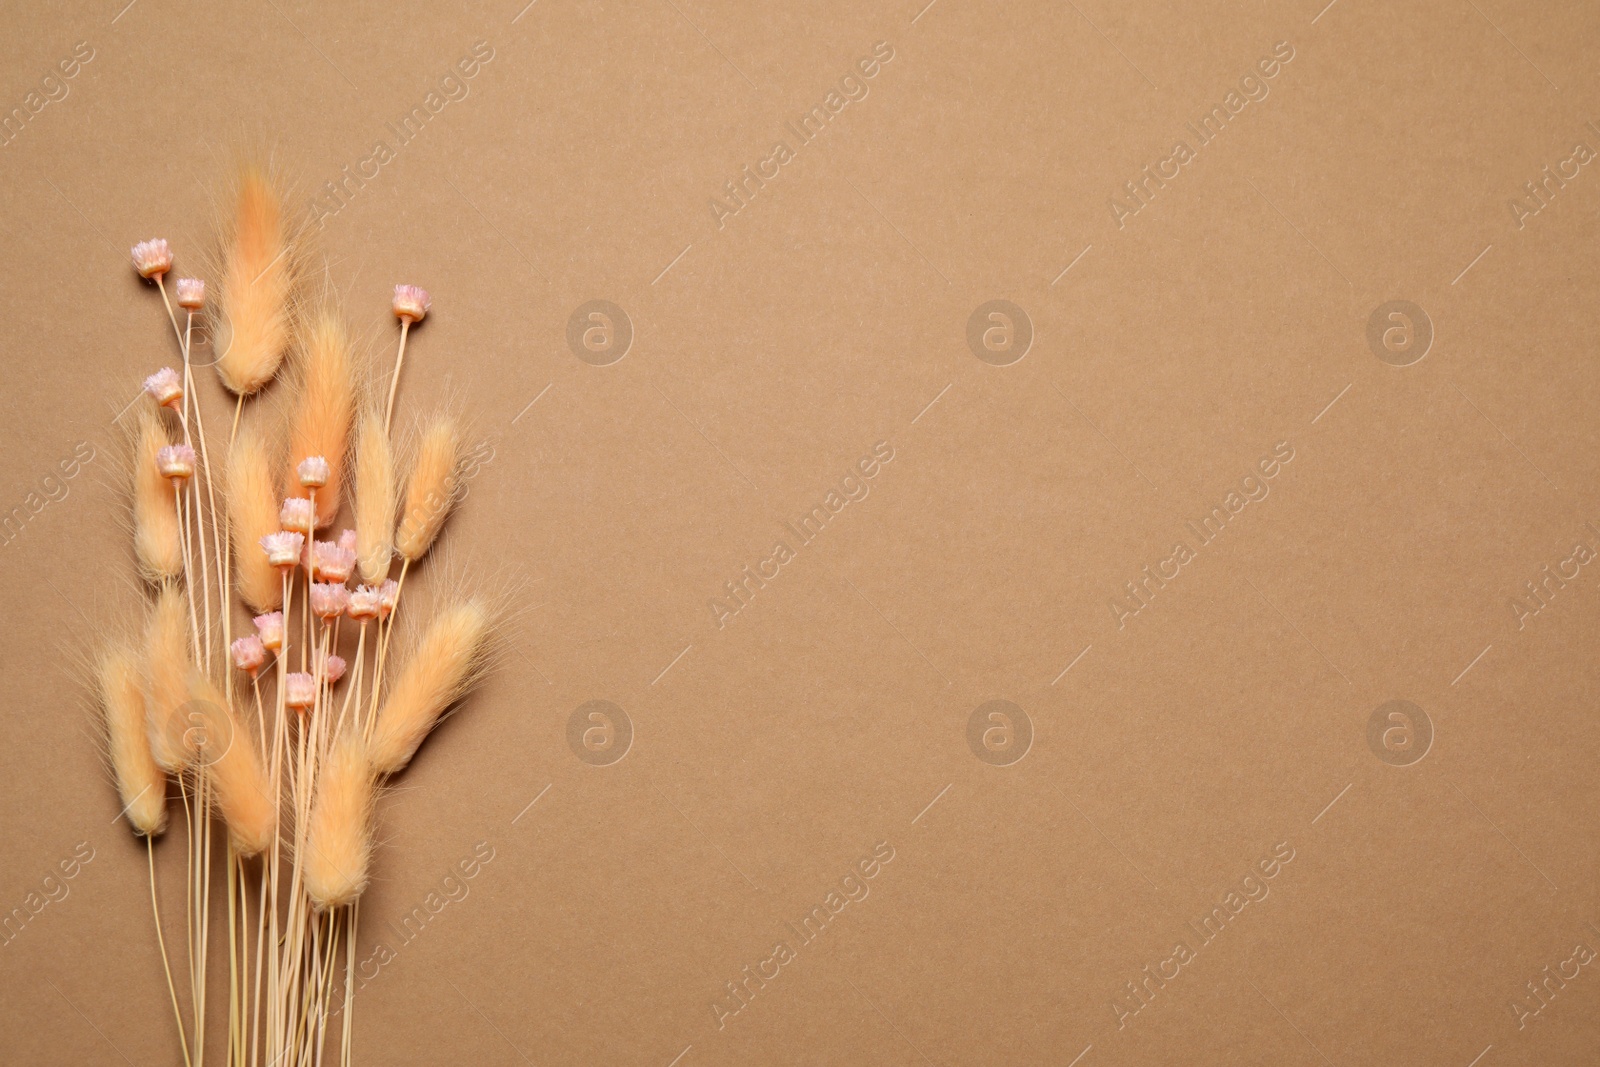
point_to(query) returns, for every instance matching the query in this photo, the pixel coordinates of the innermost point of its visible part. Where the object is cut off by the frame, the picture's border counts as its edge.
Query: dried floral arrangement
(276, 738)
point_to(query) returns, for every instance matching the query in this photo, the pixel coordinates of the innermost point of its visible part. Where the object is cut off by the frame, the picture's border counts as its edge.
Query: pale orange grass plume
(431, 489)
(324, 403)
(376, 493)
(260, 271)
(155, 503)
(228, 756)
(140, 783)
(338, 847)
(448, 660)
(166, 664)
(252, 502)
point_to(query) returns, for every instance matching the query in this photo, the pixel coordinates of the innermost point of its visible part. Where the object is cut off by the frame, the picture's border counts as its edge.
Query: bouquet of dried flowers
(276, 736)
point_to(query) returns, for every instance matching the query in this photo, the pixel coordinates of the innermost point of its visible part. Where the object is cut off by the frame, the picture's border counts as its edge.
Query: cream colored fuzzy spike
(227, 755)
(252, 514)
(324, 403)
(444, 665)
(431, 488)
(167, 665)
(140, 783)
(155, 504)
(260, 271)
(375, 498)
(338, 847)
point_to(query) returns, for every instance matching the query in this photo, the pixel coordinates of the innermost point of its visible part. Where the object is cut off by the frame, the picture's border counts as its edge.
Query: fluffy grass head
(432, 487)
(451, 657)
(338, 849)
(262, 264)
(325, 389)
(140, 782)
(376, 494)
(252, 501)
(166, 682)
(227, 755)
(155, 502)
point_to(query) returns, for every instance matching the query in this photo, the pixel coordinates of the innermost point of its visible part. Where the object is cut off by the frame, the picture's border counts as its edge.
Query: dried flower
(411, 303)
(347, 540)
(263, 263)
(375, 497)
(300, 690)
(333, 561)
(270, 628)
(364, 603)
(176, 462)
(328, 600)
(165, 387)
(339, 837)
(156, 537)
(140, 782)
(283, 549)
(314, 472)
(388, 596)
(448, 660)
(249, 653)
(191, 293)
(333, 667)
(432, 488)
(152, 259)
(296, 515)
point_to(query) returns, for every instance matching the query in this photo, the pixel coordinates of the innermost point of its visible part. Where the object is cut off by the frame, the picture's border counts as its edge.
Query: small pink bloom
(296, 515)
(270, 628)
(165, 387)
(333, 562)
(283, 548)
(388, 596)
(334, 668)
(364, 603)
(249, 653)
(175, 461)
(152, 259)
(411, 303)
(314, 472)
(300, 690)
(328, 600)
(191, 293)
(347, 540)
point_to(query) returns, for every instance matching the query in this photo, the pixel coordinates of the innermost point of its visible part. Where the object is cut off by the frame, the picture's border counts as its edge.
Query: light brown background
(825, 316)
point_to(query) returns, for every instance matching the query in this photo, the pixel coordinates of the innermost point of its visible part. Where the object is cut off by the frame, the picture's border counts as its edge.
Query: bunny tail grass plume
(260, 271)
(339, 839)
(166, 692)
(449, 659)
(140, 783)
(375, 498)
(432, 487)
(155, 504)
(228, 755)
(252, 514)
(324, 403)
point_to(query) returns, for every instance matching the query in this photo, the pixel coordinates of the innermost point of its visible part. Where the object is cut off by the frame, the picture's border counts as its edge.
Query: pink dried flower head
(296, 515)
(152, 259)
(165, 387)
(347, 539)
(333, 667)
(314, 472)
(175, 461)
(283, 548)
(364, 603)
(388, 596)
(191, 293)
(411, 303)
(249, 653)
(270, 627)
(333, 561)
(328, 600)
(300, 690)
